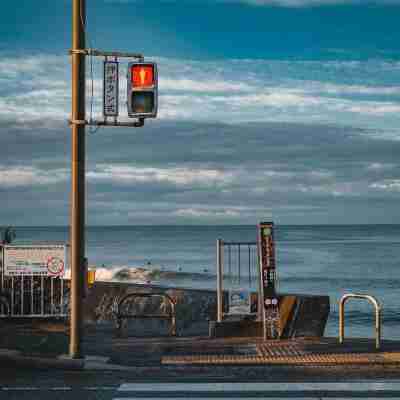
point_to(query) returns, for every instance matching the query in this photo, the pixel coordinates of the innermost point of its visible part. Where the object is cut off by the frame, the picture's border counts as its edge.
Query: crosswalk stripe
(248, 398)
(259, 387)
(219, 398)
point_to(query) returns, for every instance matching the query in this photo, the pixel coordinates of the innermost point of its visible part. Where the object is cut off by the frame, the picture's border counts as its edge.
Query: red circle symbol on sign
(55, 266)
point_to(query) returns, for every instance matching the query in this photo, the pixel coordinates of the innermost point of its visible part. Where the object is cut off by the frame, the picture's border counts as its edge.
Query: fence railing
(237, 265)
(33, 296)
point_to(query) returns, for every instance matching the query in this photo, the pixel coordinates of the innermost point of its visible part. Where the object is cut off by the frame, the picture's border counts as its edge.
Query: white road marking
(219, 398)
(100, 388)
(248, 398)
(260, 387)
(98, 359)
(29, 388)
(61, 388)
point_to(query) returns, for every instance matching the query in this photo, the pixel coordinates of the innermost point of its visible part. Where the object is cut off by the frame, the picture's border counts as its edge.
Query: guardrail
(120, 315)
(374, 302)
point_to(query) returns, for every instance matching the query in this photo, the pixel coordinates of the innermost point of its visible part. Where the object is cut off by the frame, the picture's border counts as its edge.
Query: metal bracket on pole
(78, 51)
(101, 53)
(137, 124)
(77, 122)
(106, 54)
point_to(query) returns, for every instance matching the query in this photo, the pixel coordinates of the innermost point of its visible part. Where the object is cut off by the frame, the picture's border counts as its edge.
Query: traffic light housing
(142, 85)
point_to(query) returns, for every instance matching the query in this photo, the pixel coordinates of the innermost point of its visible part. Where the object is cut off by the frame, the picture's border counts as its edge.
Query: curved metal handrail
(171, 315)
(378, 316)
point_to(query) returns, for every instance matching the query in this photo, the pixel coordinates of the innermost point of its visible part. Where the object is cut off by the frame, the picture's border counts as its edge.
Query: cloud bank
(311, 3)
(236, 141)
(234, 91)
(197, 172)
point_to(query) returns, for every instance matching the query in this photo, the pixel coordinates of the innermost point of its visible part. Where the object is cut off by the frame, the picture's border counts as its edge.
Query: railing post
(173, 320)
(220, 272)
(341, 319)
(378, 328)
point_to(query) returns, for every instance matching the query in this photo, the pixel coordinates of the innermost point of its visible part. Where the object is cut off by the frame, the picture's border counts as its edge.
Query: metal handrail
(378, 309)
(171, 315)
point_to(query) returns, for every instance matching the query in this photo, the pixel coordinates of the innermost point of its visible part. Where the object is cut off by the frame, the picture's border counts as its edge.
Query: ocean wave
(147, 275)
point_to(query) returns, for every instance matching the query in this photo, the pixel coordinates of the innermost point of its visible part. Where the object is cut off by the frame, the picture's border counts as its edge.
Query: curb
(15, 358)
(64, 362)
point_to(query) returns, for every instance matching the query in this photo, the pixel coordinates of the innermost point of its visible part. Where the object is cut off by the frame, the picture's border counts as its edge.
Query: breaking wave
(153, 275)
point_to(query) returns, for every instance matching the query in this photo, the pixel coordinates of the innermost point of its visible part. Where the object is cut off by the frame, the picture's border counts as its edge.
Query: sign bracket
(108, 120)
(101, 53)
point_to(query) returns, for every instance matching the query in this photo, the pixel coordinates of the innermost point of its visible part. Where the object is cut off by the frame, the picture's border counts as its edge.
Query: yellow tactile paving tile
(349, 358)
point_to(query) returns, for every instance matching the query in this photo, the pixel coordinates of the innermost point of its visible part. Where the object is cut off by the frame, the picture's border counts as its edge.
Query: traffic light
(142, 85)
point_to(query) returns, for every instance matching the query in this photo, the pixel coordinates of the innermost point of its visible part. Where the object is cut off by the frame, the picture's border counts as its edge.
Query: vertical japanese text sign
(110, 89)
(267, 258)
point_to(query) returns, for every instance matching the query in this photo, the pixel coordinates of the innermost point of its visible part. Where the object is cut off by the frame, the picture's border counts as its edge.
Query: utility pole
(77, 232)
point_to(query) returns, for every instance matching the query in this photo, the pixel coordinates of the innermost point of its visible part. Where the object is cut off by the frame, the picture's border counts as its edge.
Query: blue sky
(284, 109)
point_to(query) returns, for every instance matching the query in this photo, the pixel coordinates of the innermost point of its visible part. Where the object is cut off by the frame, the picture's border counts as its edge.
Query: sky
(283, 110)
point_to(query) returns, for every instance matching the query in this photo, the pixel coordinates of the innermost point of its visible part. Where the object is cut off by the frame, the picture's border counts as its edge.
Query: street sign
(32, 260)
(110, 89)
(271, 314)
(267, 258)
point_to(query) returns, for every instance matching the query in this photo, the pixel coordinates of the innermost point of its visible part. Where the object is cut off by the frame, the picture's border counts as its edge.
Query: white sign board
(43, 260)
(239, 301)
(110, 89)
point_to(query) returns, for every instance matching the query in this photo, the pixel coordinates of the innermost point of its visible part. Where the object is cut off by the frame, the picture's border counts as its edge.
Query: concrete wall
(194, 309)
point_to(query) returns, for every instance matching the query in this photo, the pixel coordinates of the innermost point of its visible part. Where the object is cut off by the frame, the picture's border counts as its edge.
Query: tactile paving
(318, 359)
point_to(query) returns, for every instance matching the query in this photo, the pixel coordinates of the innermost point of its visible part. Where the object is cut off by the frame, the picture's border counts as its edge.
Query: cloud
(30, 176)
(377, 166)
(298, 141)
(283, 3)
(389, 185)
(190, 85)
(311, 3)
(195, 172)
(203, 212)
(37, 91)
(128, 175)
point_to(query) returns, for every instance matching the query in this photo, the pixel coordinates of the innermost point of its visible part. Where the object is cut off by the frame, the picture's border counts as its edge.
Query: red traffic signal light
(142, 76)
(142, 86)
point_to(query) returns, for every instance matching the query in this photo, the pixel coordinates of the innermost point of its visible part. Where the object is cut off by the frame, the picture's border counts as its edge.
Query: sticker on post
(239, 301)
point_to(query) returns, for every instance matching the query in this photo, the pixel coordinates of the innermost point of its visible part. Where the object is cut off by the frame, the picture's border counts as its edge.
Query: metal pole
(220, 276)
(378, 329)
(77, 177)
(261, 307)
(341, 319)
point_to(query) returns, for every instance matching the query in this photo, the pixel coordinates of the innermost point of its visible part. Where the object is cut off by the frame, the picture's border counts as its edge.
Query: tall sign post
(270, 307)
(77, 233)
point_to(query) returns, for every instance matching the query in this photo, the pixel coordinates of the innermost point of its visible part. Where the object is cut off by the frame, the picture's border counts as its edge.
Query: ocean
(327, 260)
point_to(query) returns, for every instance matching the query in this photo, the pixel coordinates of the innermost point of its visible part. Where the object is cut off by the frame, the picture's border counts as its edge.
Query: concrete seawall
(194, 309)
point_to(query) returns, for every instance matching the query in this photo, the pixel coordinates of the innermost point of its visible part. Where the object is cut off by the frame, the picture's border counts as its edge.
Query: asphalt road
(111, 385)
